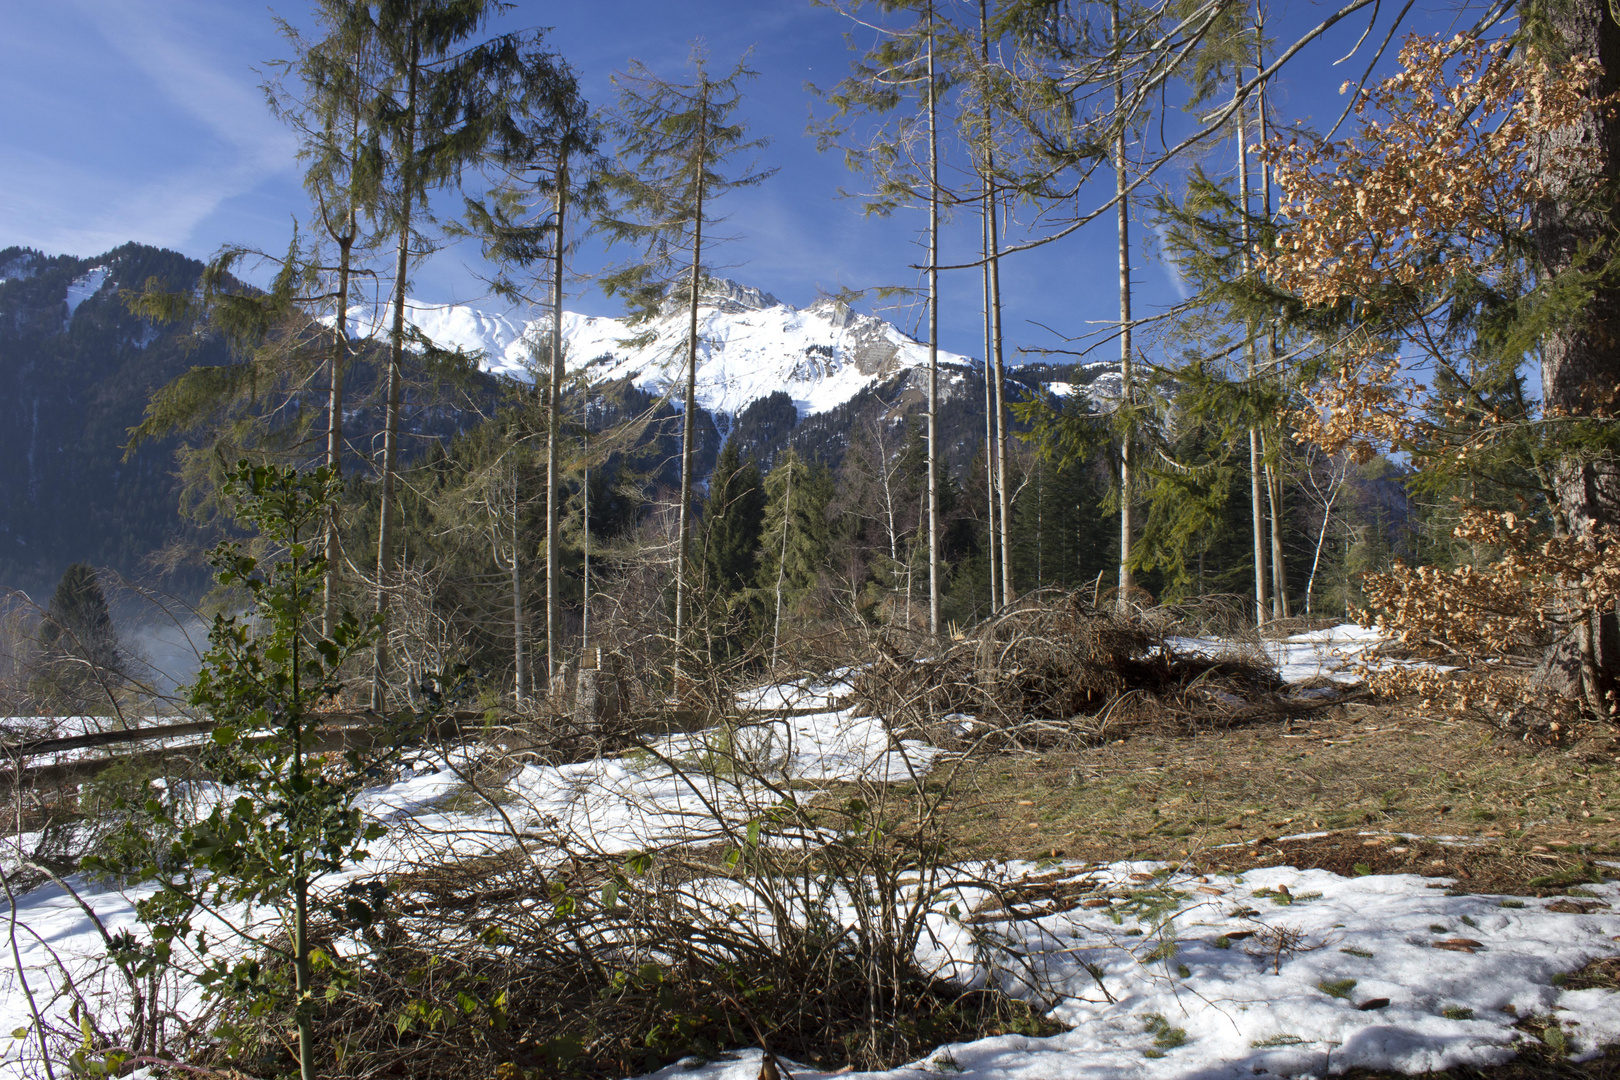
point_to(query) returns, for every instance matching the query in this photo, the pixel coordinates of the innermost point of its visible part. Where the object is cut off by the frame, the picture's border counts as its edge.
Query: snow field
(1217, 1007)
(746, 351)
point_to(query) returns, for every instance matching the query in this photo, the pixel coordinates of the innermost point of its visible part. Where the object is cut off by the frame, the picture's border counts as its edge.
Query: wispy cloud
(210, 137)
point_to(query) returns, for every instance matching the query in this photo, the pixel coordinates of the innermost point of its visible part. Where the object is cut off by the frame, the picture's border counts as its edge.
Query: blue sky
(143, 120)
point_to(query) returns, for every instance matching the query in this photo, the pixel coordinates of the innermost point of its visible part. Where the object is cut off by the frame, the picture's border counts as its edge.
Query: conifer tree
(550, 160)
(904, 69)
(82, 656)
(795, 538)
(675, 138)
(734, 522)
(333, 76)
(440, 108)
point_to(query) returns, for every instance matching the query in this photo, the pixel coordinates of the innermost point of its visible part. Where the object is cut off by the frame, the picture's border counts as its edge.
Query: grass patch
(1278, 1040)
(1363, 953)
(1457, 1012)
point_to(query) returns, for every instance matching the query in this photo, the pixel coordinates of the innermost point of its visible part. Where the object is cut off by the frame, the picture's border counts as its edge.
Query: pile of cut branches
(1054, 670)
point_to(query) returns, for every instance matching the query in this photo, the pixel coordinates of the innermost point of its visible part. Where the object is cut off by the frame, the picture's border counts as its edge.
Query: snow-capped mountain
(750, 344)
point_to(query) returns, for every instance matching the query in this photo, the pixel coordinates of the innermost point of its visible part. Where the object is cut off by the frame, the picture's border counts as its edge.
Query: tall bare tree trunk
(1580, 365)
(396, 358)
(687, 436)
(993, 267)
(1274, 484)
(989, 409)
(1256, 467)
(334, 428)
(1127, 397)
(781, 565)
(520, 667)
(554, 422)
(933, 340)
(1009, 592)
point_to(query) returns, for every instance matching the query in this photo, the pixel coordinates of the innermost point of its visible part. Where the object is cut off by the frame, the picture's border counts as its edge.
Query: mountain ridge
(750, 344)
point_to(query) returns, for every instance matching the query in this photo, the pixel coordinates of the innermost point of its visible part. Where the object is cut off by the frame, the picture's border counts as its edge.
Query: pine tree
(675, 137)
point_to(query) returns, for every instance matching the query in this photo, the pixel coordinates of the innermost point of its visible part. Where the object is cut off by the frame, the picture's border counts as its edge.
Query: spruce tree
(796, 534)
(551, 167)
(733, 522)
(441, 108)
(84, 662)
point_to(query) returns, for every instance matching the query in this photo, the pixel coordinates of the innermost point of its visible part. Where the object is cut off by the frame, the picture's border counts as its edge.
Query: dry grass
(1224, 797)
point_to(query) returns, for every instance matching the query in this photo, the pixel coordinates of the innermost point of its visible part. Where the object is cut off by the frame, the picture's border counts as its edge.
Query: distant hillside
(76, 370)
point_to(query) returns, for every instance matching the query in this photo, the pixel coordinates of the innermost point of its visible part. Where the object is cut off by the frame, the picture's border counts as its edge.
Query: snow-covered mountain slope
(750, 344)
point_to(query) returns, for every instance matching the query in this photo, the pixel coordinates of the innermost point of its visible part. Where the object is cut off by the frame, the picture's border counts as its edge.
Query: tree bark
(993, 268)
(553, 423)
(682, 586)
(933, 340)
(989, 405)
(334, 428)
(396, 354)
(1274, 485)
(1580, 360)
(1122, 193)
(520, 667)
(1256, 468)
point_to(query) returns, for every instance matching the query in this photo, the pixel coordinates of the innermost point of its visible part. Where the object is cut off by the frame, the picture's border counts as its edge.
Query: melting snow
(1212, 968)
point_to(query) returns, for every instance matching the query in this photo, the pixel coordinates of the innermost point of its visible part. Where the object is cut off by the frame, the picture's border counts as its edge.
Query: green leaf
(610, 895)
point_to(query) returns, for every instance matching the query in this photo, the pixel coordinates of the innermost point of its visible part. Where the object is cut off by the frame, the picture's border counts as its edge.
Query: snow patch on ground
(1246, 1007)
(1241, 977)
(84, 287)
(1334, 653)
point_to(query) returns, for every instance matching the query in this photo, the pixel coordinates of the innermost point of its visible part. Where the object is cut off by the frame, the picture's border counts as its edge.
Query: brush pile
(1054, 670)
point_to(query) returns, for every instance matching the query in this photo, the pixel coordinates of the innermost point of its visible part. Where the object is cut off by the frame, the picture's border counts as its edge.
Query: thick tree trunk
(1580, 359)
